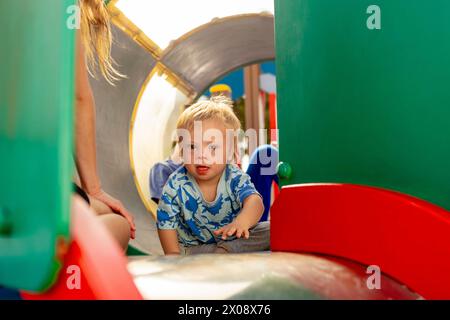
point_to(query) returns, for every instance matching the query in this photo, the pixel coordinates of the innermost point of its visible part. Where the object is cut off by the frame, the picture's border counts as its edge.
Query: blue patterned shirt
(183, 208)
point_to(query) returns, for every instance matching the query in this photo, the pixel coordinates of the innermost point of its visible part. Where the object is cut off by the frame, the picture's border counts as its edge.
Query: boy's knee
(260, 236)
(221, 250)
(262, 228)
(259, 240)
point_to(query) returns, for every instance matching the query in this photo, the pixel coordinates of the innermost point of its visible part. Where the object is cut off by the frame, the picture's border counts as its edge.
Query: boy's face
(205, 151)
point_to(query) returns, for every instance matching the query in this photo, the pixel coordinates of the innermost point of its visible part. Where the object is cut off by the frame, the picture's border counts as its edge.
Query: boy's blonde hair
(218, 107)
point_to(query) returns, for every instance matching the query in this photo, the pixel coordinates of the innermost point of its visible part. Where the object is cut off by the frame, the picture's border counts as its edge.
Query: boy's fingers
(231, 231)
(218, 231)
(246, 234)
(224, 234)
(239, 233)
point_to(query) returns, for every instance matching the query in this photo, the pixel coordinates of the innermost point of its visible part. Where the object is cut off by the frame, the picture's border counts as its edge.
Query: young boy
(209, 205)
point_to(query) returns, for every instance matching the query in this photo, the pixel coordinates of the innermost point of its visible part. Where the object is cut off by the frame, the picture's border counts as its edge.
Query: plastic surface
(36, 121)
(95, 267)
(365, 106)
(258, 276)
(409, 239)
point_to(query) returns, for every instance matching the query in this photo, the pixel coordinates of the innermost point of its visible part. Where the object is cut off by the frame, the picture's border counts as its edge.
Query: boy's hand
(249, 216)
(236, 227)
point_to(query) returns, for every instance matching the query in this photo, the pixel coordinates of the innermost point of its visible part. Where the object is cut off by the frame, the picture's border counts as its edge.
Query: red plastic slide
(102, 265)
(409, 239)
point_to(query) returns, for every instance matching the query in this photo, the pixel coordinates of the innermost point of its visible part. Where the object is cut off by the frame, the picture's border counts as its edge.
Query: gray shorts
(259, 240)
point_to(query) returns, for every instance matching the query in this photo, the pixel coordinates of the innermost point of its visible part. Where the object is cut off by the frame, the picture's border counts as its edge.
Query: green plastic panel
(36, 105)
(363, 105)
(133, 251)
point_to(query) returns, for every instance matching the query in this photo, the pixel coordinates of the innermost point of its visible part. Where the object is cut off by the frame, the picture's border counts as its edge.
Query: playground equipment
(362, 141)
(35, 141)
(366, 110)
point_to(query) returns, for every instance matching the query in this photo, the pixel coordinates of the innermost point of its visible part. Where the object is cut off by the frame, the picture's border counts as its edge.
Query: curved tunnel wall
(211, 51)
(114, 107)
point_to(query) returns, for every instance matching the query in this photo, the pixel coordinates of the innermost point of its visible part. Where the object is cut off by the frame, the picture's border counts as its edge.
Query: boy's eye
(213, 147)
(192, 146)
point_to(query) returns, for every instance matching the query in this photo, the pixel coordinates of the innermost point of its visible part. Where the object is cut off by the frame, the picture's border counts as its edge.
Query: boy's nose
(204, 157)
(200, 157)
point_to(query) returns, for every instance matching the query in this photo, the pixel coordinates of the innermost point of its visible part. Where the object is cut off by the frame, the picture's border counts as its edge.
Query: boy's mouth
(201, 170)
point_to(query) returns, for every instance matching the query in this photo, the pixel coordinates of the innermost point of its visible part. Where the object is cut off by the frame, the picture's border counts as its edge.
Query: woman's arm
(86, 160)
(85, 145)
(169, 241)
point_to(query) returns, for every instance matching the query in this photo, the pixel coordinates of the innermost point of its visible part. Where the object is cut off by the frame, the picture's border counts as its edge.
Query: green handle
(284, 170)
(5, 221)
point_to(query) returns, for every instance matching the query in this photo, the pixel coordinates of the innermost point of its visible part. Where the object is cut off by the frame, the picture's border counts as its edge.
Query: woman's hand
(236, 227)
(117, 207)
